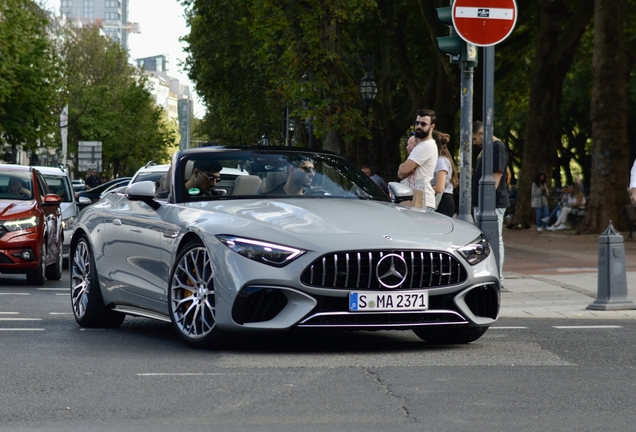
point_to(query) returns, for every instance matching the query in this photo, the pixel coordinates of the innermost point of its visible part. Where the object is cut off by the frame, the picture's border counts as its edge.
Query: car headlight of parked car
(21, 224)
(69, 222)
(475, 251)
(266, 253)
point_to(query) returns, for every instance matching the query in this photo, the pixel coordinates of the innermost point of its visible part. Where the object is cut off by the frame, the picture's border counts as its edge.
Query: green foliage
(109, 102)
(250, 67)
(27, 70)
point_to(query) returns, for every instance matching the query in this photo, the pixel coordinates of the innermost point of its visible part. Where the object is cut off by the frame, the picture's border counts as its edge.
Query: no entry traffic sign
(484, 22)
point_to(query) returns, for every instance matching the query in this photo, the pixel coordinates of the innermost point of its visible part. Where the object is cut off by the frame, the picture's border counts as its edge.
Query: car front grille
(358, 270)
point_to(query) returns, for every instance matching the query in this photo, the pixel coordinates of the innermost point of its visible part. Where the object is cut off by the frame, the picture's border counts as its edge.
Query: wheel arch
(187, 238)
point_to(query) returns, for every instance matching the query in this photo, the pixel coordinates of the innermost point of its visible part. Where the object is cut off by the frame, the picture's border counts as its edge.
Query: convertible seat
(246, 185)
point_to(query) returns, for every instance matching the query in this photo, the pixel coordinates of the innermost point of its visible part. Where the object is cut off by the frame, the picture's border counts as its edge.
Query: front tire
(38, 276)
(86, 297)
(191, 295)
(54, 271)
(449, 335)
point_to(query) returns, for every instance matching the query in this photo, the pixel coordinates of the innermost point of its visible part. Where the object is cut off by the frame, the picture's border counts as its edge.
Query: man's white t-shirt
(425, 156)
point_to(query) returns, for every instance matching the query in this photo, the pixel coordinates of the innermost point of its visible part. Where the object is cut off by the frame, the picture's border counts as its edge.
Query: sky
(162, 23)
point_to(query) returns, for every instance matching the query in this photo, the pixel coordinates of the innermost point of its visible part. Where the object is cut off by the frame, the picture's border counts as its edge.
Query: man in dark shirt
(299, 178)
(205, 174)
(499, 166)
(92, 180)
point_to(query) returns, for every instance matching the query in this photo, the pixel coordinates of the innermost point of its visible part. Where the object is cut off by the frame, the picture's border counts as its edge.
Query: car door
(133, 233)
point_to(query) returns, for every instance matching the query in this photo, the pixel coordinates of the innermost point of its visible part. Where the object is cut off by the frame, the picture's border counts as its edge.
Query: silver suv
(59, 183)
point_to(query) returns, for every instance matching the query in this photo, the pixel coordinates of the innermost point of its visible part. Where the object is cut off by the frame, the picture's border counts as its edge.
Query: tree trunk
(558, 35)
(610, 151)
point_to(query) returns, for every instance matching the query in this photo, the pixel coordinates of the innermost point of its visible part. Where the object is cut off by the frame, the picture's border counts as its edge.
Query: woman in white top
(576, 200)
(444, 178)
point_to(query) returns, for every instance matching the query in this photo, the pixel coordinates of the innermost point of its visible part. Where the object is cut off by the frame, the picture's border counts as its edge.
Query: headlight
(21, 224)
(476, 251)
(69, 222)
(266, 253)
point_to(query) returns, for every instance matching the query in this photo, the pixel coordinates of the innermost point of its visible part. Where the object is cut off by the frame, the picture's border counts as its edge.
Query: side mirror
(399, 192)
(84, 201)
(52, 200)
(143, 191)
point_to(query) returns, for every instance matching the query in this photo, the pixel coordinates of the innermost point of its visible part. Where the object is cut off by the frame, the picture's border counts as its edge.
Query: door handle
(116, 222)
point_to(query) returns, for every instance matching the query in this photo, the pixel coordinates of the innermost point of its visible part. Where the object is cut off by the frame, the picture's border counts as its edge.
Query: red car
(30, 225)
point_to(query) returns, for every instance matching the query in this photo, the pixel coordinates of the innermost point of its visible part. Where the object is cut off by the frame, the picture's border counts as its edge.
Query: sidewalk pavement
(554, 274)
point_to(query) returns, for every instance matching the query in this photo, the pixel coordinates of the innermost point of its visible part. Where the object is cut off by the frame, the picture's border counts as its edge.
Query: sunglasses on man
(211, 177)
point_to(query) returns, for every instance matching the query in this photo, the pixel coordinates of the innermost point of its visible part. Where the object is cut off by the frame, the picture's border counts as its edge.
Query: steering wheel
(318, 191)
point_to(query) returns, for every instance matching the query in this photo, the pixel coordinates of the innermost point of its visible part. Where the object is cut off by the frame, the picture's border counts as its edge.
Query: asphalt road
(524, 374)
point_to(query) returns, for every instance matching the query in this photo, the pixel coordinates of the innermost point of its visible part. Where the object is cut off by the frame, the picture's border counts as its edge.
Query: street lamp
(368, 89)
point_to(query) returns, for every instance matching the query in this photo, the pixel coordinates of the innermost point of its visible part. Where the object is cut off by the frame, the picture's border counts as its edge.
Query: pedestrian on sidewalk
(502, 197)
(632, 184)
(445, 176)
(539, 201)
(576, 201)
(423, 158)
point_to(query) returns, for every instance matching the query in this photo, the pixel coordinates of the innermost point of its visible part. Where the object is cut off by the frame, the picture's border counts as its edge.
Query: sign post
(486, 23)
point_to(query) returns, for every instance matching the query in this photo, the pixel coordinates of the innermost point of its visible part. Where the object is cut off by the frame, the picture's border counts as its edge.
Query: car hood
(13, 209)
(317, 221)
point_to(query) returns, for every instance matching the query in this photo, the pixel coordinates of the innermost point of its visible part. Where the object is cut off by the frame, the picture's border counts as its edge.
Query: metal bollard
(612, 281)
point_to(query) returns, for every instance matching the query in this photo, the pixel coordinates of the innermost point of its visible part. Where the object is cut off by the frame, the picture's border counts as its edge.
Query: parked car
(58, 181)
(150, 172)
(30, 225)
(339, 254)
(90, 196)
(78, 185)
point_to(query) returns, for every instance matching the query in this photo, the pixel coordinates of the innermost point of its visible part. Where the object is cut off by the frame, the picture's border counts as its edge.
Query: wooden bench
(630, 210)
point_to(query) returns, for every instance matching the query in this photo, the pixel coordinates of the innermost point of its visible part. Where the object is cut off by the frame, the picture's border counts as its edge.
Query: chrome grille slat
(430, 279)
(324, 270)
(412, 267)
(370, 269)
(335, 270)
(428, 269)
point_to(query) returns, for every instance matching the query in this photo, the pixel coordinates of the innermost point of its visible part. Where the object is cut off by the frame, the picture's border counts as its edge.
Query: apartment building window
(66, 3)
(113, 4)
(89, 9)
(112, 16)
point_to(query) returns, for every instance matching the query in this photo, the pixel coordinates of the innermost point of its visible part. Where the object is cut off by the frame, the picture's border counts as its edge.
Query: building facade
(110, 15)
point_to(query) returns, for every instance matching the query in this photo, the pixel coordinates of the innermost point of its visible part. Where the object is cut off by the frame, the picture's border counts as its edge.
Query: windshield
(276, 173)
(16, 186)
(58, 185)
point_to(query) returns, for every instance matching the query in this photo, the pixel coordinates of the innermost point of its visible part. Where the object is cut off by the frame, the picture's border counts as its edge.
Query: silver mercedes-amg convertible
(272, 239)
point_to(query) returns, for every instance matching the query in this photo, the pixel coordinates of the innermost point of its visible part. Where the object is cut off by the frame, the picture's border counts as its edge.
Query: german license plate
(368, 301)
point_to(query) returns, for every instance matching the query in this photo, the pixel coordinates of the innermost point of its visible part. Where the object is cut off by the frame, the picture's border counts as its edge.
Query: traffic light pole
(486, 216)
(466, 152)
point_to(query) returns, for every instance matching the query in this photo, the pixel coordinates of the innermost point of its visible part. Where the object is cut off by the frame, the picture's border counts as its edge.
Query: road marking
(9, 313)
(190, 374)
(21, 329)
(60, 313)
(507, 328)
(588, 327)
(5, 293)
(52, 289)
(20, 319)
(65, 294)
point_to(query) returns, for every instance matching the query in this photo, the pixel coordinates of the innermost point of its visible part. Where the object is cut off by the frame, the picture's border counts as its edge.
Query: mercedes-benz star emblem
(391, 270)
